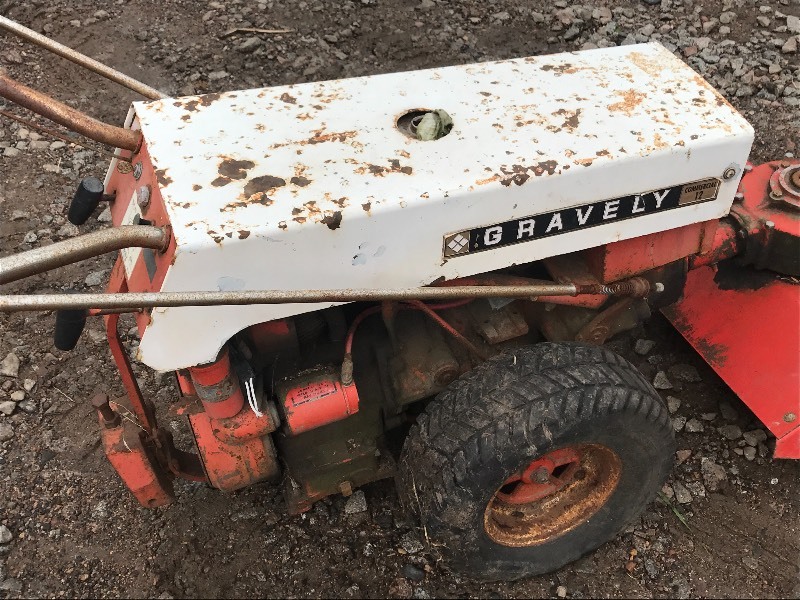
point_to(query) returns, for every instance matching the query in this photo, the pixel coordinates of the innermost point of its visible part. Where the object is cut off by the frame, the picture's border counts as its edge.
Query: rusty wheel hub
(552, 495)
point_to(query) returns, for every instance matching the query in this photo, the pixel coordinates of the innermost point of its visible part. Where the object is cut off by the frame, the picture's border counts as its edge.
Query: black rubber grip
(86, 200)
(69, 326)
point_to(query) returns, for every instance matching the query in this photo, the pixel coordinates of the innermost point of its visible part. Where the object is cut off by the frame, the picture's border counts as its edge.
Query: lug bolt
(541, 475)
(110, 418)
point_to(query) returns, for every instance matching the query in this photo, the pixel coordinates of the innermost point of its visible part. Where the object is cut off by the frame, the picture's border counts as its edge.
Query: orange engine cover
(316, 398)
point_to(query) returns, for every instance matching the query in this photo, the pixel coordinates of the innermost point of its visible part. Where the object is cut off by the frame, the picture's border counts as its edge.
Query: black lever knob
(86, 200)
(69, 326)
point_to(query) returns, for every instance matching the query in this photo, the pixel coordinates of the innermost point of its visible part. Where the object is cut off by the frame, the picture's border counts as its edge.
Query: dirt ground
(732, 531)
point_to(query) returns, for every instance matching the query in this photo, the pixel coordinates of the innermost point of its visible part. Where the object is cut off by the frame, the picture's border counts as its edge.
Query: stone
(217, 75)
(660, 381)
(678, 423)
(673, 404)
(57, 145)
(754, 437)
(29, 384)
(751, 563)
(6, 432)
(682, 494)
(68, 230)
(727, 17)
(7, 407)
(27, 406)
(731, 432)
(10, 152)
(728, 412)
(749, 452)
(249, 45)
(96, 278)
(694, 426)
(5, 535)
(30, 237)
(685, 373)
(561, 591)
(10, 365)
(643, 347)
(763, 21)
(410, 544)
(18, 396)
(682, 456)
(412, 572)
(793, 23)
(357, 503)
(713, 474)
(790, 47)
(105, 216)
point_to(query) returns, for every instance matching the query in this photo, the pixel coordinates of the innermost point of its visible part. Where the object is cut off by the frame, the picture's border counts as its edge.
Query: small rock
(410, 544)
(96, 278)
(29, 384)
(357, 503)
(682, 495)
(412, 572)
(105, 216)
(763, 21)
(749, 452)
(660, 381)
(5, 535)
(561, 591)
(727, 17)
(19, 215)
(793, 24)
(643, 347)
(685, 373)
(249, 45)
(18, 396)
(750, 563)
(790, 47)
(30, 237)
(7, 407)
(754, 437)
(217, 75)
(10, 365)
(708, 416)
(57, 145)
(728, 412)
(68, 230)
(401, 588)
(678, 423)
(694, 426)
(27, 406)
(731, 432)
(682, 456)
(6, 432)
(673, 404)
(713, 474)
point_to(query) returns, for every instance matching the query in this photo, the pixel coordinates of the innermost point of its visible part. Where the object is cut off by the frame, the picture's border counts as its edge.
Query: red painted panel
(750, 335)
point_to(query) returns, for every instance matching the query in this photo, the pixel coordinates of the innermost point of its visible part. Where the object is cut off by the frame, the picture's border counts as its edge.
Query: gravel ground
(727, 522)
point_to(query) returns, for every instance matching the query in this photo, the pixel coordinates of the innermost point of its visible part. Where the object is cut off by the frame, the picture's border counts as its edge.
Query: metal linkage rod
(80, 59)
(47, 258)
(171, 299)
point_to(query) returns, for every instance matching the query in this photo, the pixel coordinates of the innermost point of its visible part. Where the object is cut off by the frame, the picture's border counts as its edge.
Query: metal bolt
(143, 196)
(790, 417)
(541, 475)
(100, 403)
(748, 167)
(738, 197)
(769, 224)
(729, 173)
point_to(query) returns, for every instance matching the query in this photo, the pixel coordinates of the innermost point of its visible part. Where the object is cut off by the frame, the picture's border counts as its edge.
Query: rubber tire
(507, 411)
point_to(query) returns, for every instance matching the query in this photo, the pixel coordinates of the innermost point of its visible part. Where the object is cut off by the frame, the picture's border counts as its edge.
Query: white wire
(251, 397)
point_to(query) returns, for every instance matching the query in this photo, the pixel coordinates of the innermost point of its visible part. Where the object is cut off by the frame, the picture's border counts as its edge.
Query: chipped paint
(311, 171)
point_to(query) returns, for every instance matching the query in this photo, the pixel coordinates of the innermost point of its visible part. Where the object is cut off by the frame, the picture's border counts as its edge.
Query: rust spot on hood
(162, 177)
(288, 98)
(235, 169)
(571, 118)
(630, 100)
(300, 181)
(341, 136)
(379, 171)
(261, 185)
(333, 220)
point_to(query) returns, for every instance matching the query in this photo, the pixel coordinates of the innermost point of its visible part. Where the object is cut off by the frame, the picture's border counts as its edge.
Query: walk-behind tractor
(412, 275)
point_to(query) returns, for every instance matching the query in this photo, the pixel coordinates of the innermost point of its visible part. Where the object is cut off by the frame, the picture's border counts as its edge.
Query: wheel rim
(552, 495)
